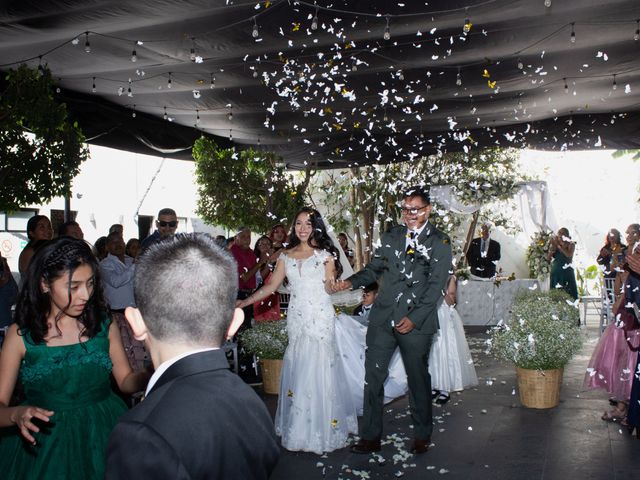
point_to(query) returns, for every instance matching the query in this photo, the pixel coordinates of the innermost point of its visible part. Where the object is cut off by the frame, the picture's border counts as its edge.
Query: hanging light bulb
(459, 78)
(197, 117)
(387, 30)
(192, 52)
(636, 36)
(614, 86)
(354, 67)
(230, 116)
(400, 75)
(87, 45)
(314, 21)
(129, 91)
(255, 33)
(255, 73)
(212, 85)
(466, 28)
(40, 66)
(573, 33)
(230, 135)
(385, 118)
(133, 112)
(93, 87)
(165, 114)
(520, 64)
(566, 87)
(169, 82)
(134, 54)
(547, 3)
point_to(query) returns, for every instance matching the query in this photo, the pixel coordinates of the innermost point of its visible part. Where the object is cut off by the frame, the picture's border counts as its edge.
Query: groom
(413, 263)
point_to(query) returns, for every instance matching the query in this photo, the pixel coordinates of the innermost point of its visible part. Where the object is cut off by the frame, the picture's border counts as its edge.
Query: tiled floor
(484, 433)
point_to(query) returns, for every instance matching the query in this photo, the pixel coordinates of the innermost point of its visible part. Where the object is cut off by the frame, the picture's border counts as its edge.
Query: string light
(87, 45)
(255, 73)
(134, 54)
(255, 33)
(129, 91)
(197, 117)
(133, 112)
(459, 78)
(636, 36)
(165, 113)
(573, 33)
(314, 21)
(547, 3)
(566, 87)
(400, 75)
(93, 87)
(169, 82)
(212, 85)
(230, 116)
(387, 30)
(40, 66)
(354, 67)
(520, 64)
(192, 52)
(615, 85)
(385, 118)
(466, 28)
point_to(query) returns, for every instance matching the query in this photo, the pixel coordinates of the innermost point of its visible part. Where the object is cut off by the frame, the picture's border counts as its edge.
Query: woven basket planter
(539, 388)
(271, 370)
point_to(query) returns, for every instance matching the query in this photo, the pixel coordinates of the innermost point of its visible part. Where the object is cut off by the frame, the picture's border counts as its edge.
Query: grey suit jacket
(410, 287)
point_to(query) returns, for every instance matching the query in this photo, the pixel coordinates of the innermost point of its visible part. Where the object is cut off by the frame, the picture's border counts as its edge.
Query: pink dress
(612, 364)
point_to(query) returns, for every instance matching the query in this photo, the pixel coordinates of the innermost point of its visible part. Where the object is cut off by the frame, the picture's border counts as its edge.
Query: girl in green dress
(63, 348)
(561, 249)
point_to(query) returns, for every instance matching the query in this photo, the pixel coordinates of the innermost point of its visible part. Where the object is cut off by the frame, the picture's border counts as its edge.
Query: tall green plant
(40, 148)
(245, 187)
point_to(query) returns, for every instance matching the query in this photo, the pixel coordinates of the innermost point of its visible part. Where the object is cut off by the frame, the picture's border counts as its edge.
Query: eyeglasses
(172, 223)
(412, 211)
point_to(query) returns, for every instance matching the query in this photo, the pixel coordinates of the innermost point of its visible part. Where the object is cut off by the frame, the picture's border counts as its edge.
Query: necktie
(411, 248)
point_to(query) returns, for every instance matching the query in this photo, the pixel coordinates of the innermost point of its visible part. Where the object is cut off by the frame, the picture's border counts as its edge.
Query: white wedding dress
(316, 412)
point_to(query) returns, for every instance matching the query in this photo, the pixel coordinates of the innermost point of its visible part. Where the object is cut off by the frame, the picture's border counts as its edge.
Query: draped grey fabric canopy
(335, 83)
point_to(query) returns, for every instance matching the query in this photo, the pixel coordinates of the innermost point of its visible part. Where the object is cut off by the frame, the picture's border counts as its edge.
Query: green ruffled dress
(73, 381)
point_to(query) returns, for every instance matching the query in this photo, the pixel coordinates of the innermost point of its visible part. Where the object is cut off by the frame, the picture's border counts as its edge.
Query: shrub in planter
(266, 340)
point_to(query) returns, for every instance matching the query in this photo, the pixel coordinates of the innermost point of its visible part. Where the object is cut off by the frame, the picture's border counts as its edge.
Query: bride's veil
(347, 297)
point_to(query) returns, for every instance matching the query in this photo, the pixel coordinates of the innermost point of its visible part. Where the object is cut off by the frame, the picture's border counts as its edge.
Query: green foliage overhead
(245, 187)
(41, 150)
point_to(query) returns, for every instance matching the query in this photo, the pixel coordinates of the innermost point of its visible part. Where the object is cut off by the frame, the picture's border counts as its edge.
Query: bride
(315, 411)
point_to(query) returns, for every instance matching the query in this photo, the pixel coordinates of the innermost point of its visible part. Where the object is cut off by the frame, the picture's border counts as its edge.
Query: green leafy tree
(364, 199)
(245, 187)
(40, 148)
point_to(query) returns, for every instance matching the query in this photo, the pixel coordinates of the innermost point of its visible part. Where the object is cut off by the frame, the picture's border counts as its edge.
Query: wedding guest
(344, 244)
(632, 294)
(198, 420)
(8, 293)
(38, 228)
(278, 236)
(64, 349)
(483, 254)
(116, 227)
(267, 308)
(166, 225)
(450, 363)
(561, 249)
(369, 294)
(612, 254)
(117, 271)
(132, 248)
(71, 229)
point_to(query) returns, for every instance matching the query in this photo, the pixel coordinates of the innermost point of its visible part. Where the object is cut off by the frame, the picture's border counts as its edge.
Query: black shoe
(434, 394)
(420, 446)
(366, 446)
(442, 399)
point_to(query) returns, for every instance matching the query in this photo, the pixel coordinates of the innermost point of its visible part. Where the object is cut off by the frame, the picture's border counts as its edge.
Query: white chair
(607, 298)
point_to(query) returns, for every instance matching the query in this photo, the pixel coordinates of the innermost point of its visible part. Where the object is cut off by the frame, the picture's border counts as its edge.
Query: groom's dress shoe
(366, 446)
(420, 446)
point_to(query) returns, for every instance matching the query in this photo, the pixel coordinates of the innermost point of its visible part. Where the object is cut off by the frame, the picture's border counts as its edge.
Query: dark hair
(418, 191)
(319, 237)
(62, 229)
(100, 246)
(372, 287)
(116, 227)
(185, 288)
(130, 242)
(32, 224)
(614, 232)
(167, 211)
(56, 259)
(256, 250)
(568, 235)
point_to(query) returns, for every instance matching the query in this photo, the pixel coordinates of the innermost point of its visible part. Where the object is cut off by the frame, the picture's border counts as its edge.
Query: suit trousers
(414, 349)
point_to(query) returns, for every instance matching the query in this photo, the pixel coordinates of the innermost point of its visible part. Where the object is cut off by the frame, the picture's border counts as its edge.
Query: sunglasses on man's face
(172, 224)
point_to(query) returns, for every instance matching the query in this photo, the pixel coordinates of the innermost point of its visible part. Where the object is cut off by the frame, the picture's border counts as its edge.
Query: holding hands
(335, 286)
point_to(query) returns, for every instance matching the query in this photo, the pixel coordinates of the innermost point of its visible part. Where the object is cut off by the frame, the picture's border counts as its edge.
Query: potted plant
(540, 339)
(267, 341)
(537, 256)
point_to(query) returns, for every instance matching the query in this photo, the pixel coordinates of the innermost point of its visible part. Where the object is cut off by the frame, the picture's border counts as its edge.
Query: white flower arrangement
(267, 340)
(537, 254)
(543, 333)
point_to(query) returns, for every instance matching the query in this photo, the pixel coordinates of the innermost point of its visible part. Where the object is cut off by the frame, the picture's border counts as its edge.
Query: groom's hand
(405, 325)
